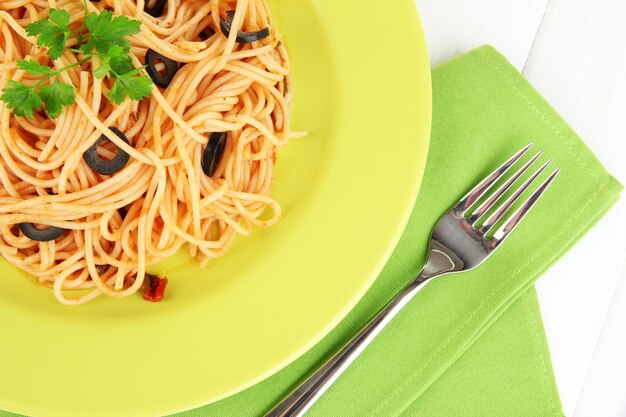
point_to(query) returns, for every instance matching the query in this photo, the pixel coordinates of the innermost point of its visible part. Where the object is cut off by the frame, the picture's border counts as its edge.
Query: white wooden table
(574, 53)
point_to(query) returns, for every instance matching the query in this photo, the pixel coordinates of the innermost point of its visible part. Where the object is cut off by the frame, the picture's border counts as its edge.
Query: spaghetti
(106, 229)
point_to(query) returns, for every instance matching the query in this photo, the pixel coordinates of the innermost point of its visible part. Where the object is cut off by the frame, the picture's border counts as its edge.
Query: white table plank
(574, 297)
(578, 64)
(456, 26)
(604, 393)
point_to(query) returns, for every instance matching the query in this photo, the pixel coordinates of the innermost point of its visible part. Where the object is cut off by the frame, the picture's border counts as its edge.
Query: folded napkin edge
(563, 130)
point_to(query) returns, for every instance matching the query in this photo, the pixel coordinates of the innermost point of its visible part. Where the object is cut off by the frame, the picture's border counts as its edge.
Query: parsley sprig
(102, 36)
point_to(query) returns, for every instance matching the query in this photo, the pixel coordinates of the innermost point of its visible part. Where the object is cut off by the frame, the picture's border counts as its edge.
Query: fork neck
(441, 260)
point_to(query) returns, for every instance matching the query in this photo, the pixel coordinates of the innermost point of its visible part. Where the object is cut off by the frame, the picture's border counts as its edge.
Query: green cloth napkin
(471, 344)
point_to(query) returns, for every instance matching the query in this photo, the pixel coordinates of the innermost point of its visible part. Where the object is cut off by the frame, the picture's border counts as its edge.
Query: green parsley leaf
(52, 32)
(106, 39)
(21, 98)
(55, 96)
(122, 64)
(134, 86)
(33, 67)
(106, 31)
(138, 87)
(102, 70)
(60, 17)
(115, 61)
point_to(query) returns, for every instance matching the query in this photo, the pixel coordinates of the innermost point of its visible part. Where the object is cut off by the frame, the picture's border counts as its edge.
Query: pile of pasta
(111, 227)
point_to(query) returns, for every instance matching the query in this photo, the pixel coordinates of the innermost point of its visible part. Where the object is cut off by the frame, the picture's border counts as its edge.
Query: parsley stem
(60, 70)
(79, 38)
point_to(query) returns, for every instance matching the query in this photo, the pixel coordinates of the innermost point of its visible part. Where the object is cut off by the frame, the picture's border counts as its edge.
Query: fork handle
(298, 402)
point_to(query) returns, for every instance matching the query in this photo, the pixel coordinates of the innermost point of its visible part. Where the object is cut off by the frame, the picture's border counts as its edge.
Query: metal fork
(459, 242)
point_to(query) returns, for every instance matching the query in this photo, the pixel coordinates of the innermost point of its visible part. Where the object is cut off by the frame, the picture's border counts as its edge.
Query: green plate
(362, 85)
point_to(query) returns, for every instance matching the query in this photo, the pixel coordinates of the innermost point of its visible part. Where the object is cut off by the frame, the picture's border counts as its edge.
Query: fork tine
(519, 215)
(495, 217)
(487, 205)
(488, 182)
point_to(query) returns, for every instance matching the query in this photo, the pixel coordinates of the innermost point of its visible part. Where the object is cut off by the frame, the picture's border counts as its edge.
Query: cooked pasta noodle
(118, 225)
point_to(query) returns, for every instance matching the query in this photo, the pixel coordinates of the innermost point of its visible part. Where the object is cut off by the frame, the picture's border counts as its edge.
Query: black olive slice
(171, 67)
(207, 33)
(102, 166)
(213, 153)
(41, 235)
(242, 37)
(101, 269)
(157, 8)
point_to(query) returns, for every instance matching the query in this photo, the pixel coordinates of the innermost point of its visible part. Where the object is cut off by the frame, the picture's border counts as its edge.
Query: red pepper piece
(155, 288)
